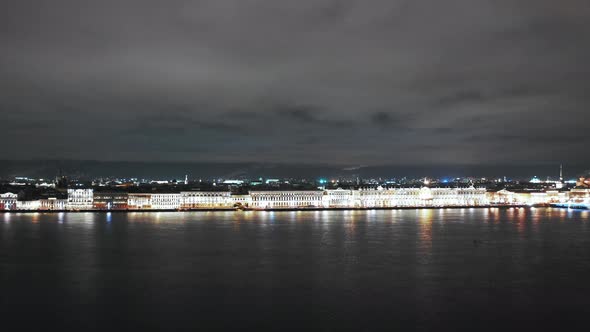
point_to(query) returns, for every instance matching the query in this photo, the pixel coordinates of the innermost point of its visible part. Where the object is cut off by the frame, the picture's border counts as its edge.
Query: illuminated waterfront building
(433, 197)
(53, 204)
(409, 197)
(440, 197)
(286, 199)
(33, 205)
(139, 201)
(470, 196)
(501, 197)
(405, 197)
(338, 198)
(153, 201)
(373, 197)
(80, 199)
(579, 195)
(556, 196)
(8, 201)
(110, 200)
(165, 201)
(506, 197)
(239, 201)
(205, 199)
(87, 199)
(546, 197)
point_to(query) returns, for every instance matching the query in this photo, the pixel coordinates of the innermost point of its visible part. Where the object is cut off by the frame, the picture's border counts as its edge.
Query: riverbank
(280, 209)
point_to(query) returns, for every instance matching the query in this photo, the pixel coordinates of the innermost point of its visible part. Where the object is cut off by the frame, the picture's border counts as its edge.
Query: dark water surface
(474, 269)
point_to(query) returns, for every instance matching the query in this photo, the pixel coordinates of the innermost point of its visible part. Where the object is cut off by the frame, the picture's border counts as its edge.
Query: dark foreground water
(474, 269)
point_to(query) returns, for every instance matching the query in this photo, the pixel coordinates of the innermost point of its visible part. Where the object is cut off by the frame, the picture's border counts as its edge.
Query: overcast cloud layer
(348, 82)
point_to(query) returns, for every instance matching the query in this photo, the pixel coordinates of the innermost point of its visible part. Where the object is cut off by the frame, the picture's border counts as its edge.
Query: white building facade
(28, 205)
(205, 199)
(53, 204)
(405, 197)
(168, 201)
(80, 199)
(286, 199)
(581, 195)
(338, 198)
(139, 201)
(375, 197)
(8, 201)
(153, 201)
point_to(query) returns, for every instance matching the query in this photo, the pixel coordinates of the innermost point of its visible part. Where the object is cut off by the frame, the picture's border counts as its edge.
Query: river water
(473, 269)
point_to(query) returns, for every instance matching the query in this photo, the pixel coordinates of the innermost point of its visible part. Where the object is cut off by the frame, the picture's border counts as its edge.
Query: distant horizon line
(347, 166)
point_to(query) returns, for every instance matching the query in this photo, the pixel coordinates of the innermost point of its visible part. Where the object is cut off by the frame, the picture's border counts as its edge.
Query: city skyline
(295, 165)
(90, 169)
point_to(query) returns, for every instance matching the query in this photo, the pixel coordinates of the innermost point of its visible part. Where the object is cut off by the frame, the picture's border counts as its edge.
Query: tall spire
(561, 173)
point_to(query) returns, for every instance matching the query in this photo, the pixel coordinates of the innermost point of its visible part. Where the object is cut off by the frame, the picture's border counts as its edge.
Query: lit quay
(361, 198)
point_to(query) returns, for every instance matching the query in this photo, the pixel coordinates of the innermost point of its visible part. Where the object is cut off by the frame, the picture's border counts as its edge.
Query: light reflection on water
(337, 267)
(425, 221)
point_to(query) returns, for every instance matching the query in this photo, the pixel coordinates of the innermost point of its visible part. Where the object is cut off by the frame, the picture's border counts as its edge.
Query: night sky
(307, 81)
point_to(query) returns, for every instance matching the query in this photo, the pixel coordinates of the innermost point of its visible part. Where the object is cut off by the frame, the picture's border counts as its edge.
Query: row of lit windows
(205, 194)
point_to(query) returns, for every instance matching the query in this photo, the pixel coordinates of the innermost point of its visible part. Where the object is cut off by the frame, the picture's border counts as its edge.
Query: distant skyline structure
(179, 171)
(561, 172)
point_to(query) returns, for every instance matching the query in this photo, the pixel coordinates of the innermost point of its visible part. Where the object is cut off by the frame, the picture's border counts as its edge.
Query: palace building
(53, 204)
(361, 198)
(8, 201)
(205, 199)
(80, 199)
(338, 198)
(110, 200)
(154, 201)
(139, 201)
(286, 199)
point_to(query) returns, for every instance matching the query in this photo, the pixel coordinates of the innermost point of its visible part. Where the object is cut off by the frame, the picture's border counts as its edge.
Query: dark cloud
(575, 140)
(387, 120)
(303, 114)
(350, 82)
(382, 118)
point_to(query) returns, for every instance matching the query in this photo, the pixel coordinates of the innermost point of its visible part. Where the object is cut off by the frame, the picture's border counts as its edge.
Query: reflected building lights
(426, 218)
